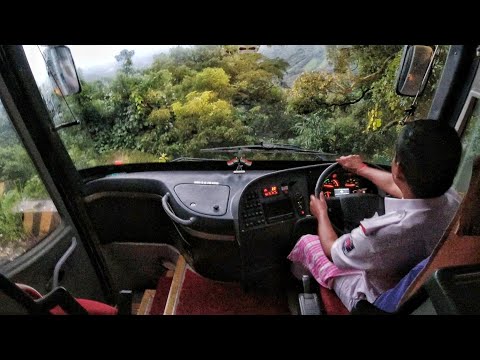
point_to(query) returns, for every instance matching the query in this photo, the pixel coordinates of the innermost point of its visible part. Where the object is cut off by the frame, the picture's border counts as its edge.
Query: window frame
(34, 126)
(472, 100)
(465, 115)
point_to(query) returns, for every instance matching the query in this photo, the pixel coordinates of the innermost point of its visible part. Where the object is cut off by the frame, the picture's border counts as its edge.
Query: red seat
(91, 306)
(331, 303)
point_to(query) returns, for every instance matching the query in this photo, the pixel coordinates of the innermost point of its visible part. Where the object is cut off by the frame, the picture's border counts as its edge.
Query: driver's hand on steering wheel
(318, 206)
(351, 163)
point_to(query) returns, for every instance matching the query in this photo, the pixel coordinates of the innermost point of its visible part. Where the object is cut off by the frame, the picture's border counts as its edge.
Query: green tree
(197, 57)
(203, 120)
(356, 72)
(124, 58)
(255, 78)
(212, 79)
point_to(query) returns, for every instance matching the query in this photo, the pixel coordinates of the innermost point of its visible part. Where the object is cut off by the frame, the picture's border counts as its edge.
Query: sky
(86, 56)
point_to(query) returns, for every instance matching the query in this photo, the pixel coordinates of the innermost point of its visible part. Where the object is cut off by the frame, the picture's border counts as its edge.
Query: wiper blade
(186, 158)
(266, 147)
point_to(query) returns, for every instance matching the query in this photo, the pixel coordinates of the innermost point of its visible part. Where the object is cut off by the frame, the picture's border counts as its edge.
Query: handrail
(62, 260)
(172, 215)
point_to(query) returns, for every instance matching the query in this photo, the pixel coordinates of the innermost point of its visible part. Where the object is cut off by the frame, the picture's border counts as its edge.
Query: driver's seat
(458, 251)
(459, 246)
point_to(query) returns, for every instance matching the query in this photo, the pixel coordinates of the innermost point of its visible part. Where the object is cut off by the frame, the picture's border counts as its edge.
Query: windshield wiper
(266, 147)
(186, 158)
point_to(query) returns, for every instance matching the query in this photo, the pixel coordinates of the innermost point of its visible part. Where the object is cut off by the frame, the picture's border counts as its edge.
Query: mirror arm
(408, 114)
(67, 124)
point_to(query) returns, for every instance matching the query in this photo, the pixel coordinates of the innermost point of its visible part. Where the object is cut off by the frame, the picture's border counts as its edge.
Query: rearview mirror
(415, 68)
(61, 68)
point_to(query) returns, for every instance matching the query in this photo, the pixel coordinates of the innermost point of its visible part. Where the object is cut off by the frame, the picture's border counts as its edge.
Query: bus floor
(185, 292)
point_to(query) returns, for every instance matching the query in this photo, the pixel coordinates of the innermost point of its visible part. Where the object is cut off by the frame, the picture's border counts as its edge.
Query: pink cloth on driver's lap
(309, 252)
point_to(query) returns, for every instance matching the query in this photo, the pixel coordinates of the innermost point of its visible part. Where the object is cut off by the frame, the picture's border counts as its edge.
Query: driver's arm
(382, 179)
(326, 234)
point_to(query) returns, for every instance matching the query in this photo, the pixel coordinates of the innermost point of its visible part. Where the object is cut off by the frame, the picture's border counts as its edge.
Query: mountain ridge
(300, 58)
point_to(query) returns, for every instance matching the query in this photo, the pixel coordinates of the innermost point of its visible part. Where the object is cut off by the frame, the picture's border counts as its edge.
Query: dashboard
(240, 226)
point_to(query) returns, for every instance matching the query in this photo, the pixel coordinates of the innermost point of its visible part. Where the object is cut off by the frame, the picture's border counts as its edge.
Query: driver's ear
(397, 171)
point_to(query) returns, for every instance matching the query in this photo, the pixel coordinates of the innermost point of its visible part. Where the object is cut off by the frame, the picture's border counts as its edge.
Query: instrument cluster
(342, 182)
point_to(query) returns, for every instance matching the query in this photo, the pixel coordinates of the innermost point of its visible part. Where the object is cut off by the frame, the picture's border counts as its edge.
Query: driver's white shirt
(386, 247)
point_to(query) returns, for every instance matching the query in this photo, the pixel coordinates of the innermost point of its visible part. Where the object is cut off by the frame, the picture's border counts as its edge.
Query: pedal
(125, 300)
(309, 304)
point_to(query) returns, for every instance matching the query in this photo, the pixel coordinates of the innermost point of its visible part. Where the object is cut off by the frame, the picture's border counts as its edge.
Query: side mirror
(415, 68)
(61, 68)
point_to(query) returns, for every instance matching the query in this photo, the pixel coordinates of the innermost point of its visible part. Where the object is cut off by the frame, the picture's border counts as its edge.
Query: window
(471, 147)
(27, 214)
(158, 103)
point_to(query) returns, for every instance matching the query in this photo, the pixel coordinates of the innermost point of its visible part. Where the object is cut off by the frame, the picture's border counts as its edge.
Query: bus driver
(373, 257)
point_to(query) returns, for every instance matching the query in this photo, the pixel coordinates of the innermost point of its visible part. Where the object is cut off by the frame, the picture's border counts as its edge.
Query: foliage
(212, 79)
(341, 133)
(192, 98)
(310, 91)
(160, 117)
(208, 96)
(34, 189)
(10, 220)
(362, 90)
(80, 148)
(374, 119)
(204, 121)
(255, 79)
(8, 135)
(15, 164)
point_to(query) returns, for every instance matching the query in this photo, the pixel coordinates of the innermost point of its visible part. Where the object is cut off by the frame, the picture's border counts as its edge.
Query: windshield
(160, 103)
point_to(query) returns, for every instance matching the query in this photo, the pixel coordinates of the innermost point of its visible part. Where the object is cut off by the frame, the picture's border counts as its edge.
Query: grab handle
(59, 264)
(172, 215)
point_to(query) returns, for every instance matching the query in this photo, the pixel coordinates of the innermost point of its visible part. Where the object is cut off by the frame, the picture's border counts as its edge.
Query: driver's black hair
(428, 152)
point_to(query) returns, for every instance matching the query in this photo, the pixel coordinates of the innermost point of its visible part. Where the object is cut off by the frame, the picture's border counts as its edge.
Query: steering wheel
(347, 211)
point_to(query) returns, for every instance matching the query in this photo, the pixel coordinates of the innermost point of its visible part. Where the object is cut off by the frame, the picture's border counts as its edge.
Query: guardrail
(40, 217)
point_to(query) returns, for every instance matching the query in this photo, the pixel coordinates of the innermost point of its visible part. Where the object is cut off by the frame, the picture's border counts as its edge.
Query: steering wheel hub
(346, 211)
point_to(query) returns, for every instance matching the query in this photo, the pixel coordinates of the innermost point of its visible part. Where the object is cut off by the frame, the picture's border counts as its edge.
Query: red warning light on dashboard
(270, 191)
